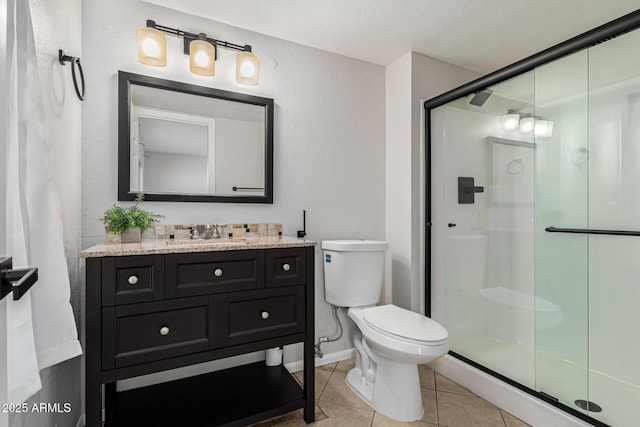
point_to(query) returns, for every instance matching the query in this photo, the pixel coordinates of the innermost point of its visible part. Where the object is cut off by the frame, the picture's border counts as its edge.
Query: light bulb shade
(543, 128)
(152, 47)
(526, 124)
(247, 68)
(510, 121)
(202, 56)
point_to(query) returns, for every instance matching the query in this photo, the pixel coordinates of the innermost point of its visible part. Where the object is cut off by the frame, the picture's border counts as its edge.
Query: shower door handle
(592, 231)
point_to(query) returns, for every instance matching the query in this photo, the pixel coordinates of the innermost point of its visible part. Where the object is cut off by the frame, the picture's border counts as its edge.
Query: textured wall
(329, 131)
(57, 26)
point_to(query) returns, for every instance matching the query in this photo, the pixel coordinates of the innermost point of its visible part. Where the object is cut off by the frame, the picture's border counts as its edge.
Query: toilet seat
(391, 320)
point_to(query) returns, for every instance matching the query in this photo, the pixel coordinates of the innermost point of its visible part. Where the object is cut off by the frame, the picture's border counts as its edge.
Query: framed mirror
(186, 143)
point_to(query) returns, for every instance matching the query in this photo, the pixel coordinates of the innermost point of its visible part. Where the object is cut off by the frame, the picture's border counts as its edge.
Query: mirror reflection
(193, 143)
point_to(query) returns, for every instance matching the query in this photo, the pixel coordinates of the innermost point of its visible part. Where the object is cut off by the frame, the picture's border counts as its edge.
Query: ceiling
(479, 35)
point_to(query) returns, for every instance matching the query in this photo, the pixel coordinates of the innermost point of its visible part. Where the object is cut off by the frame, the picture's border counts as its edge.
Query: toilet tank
(353, 271)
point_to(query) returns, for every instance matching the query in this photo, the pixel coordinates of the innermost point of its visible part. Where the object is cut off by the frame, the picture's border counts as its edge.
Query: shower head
(479, 98)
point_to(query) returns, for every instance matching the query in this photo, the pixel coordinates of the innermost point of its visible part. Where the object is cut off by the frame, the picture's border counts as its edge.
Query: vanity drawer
(213, 272)
(133, 279)
(140, 333)
(256, 315)
(286, 267)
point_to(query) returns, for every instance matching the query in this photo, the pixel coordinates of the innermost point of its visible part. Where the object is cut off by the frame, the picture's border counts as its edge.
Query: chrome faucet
(209, 231)
(215, 234)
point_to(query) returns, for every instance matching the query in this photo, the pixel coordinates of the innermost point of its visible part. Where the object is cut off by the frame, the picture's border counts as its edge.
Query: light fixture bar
(188, 37)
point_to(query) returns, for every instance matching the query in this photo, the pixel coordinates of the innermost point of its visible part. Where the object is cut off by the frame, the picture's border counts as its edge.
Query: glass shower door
(588, 179)
(561, 259)
(487, 231)
(614, 204)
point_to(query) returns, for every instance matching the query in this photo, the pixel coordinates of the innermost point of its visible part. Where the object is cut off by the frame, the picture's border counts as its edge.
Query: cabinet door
(214, 272)
(255, 315)
(286, 267)
(139, 333)
(132, 279)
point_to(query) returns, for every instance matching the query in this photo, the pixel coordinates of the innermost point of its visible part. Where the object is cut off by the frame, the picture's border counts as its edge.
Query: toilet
(390, 341)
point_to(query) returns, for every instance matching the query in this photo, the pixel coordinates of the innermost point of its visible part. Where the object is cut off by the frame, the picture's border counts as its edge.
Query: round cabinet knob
(217, 272)
(265, 315)
(133, 280)
(286, 267)
(164, 330)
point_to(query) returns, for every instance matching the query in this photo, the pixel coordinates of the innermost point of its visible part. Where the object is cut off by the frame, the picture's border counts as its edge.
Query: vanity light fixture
(526, 124)
(510, 120)
(202, 51)
(202, 56)
(543, 128)
(152, 47)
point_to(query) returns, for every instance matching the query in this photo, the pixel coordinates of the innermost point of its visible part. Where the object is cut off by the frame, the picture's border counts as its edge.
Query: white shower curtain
(40, 327)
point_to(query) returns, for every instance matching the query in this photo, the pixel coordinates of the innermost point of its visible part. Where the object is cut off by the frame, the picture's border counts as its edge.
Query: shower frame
(590, 38)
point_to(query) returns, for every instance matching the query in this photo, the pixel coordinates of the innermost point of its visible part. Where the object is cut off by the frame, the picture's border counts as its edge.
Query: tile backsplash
(175, 231)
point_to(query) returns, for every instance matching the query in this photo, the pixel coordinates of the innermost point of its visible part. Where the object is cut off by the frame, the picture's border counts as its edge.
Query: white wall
(329, 132)
(57, 26)
(175, 173)
(410, 79)
(239, 153)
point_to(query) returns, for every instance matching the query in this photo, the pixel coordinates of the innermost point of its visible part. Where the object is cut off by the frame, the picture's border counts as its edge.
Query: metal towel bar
(592, 231)
(18, 281)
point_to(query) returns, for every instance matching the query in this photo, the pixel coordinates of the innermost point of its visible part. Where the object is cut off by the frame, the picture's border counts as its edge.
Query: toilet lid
(404, 323)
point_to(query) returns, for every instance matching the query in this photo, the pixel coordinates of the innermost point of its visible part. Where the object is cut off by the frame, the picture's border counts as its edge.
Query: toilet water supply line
(316, 348)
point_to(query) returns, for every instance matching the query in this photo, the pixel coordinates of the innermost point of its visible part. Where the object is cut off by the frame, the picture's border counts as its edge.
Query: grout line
(437, 408)
(325, 386)
(502, 416)
(370, 409)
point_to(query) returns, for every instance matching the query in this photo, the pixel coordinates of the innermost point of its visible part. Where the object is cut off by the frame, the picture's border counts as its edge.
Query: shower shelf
(512, 142)
(591, 231)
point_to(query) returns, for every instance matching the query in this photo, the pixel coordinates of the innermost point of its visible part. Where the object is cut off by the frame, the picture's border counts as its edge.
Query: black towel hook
(76, 68)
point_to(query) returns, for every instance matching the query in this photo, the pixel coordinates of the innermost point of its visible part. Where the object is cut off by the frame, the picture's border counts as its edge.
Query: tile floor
(445, 404)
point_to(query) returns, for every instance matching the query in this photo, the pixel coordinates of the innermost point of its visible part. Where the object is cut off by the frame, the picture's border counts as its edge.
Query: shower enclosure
(534, 223)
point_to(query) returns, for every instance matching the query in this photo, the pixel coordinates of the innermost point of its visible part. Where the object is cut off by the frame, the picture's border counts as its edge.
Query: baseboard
(513, 400)
(298, 365)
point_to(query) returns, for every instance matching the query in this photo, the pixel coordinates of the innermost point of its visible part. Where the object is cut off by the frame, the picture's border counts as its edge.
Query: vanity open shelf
(153, 307)
(236, 396)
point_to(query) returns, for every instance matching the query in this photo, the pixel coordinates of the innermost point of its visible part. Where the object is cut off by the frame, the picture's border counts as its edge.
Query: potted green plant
(126, 224)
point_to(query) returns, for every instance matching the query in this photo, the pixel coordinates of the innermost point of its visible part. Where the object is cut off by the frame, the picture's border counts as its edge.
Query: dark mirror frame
(125, 80)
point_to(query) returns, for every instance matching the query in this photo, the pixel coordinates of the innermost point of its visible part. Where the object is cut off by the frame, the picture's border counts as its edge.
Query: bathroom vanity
(161, 304)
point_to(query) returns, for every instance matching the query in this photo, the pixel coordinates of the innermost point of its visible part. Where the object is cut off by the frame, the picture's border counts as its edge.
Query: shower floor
(562, 379)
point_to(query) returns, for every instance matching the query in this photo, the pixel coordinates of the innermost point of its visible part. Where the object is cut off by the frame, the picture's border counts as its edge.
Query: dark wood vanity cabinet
(150, 313)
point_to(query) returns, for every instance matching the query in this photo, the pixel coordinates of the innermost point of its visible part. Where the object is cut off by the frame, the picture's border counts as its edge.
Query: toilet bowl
(390, 341)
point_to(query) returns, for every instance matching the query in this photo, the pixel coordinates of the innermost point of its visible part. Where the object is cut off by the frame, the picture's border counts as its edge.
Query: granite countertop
(148, 247)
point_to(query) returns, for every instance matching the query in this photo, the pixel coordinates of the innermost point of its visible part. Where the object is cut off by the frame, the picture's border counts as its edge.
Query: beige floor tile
(427, 377)
(343, 416)
(380, 420)
(511, 421)
(329, 366)
(346, 365)
(292, 419)
(337, 391)
(321, 379)
(457, 410)
(445, 384)
(430, 406)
